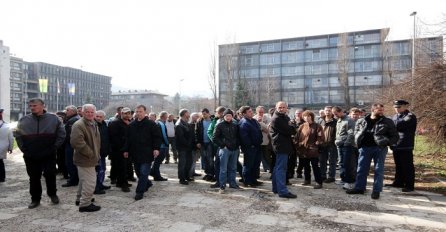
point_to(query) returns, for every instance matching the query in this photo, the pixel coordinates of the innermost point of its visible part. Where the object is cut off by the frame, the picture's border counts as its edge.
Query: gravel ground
(168, 206)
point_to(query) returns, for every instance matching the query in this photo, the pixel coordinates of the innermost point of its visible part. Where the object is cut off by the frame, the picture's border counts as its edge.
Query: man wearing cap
(406, 125)
(38, 136)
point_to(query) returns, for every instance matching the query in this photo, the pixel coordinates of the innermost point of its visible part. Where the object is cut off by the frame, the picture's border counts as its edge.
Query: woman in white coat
(6, 144)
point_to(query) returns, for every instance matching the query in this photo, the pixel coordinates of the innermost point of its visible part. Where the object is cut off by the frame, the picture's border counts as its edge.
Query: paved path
(169, 206)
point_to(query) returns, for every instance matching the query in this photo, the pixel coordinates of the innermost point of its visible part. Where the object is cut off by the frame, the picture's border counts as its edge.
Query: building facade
(63, 86)
(4, 81)
(336, 69)
(153, 100)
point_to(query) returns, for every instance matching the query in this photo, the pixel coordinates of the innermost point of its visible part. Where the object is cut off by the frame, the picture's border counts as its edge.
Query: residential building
(4, 81)
(335, 69)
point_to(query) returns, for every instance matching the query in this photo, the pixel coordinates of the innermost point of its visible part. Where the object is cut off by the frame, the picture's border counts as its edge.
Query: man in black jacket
(143, 144)
(105, 150)
(406, 125)
(38, 136)
(281, 131)
(373, 134)
(117, 131)
(72, 117)
(184, 139)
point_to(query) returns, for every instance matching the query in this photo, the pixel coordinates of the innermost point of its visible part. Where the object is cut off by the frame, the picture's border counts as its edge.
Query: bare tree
(212, 77)
(230, 70)
(269, 87)
(343, 64)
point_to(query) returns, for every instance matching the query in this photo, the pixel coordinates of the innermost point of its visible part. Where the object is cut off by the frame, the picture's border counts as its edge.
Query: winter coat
(384, 131)
(226, 134)
(184, 136)
(406, 125)
(117, 131)
(329, 128)
(250, 133)
(143, 137)
(105, 141)
(345, 129)
(86, 142)
(6, 139)
(281, 132)
(308, 138)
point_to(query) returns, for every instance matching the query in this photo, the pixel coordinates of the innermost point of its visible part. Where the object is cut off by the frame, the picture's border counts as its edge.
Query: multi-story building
(153, 100)
(335, 69)
(86, 87)
(4, 80)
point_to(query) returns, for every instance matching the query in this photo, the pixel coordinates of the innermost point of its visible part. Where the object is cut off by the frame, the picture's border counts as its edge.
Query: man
(204, 144)
(80, 111)
(250, 140)
(71, 118)
(292, 160)
(215, 150)
(328, 152)
(265, 147)
(104, 151)
(226, 137)
(354, 114)
(117, 131)
(6, 144)
(170, 126)
(143, 144)
(184, 139)
(406, 125)
(373, 134)
(195, 151)
(86, 142)
(164, 146)
(344, 142)
(281, 132)
(38, 136)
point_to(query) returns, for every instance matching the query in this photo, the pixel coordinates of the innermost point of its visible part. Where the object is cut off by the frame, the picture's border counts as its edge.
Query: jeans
(143, 175)
(316, 170)
(217, 164)
(184, 164)
(155, 170)
(71, 168)
(347, 171)
(366, 154)
(279, 174)
(250, 157)
(34, 168)
(330, 154)
(100, 174)
(404, 168)
(228, 167)
(207, 159)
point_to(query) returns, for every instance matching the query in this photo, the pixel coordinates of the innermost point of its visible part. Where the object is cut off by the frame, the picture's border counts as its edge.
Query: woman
(6, 143)
(308, 137)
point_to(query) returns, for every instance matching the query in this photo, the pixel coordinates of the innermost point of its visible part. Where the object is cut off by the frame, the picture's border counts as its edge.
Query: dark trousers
(155, 170)
(250, 157)
(216, 162)
(129, 168)
(113, 168)
(2, 170)
(316, 170)
(173, 148)
(100, 174)
(300, 167)
(184, 164)
(292, 161)
(34, 168)
(71, 168)
(347, 170)
(61, 167)
(404, 169)
(121, 170)
(266, 157)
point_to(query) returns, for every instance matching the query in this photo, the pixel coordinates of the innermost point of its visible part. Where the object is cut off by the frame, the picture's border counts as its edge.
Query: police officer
(406, 124)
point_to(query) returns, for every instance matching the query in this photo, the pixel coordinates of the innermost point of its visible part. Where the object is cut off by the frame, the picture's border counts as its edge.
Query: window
(270, 59)
(270, 47)
(316, 43)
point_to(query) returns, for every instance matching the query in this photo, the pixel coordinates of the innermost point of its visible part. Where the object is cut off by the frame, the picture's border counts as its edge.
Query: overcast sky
(155, 44)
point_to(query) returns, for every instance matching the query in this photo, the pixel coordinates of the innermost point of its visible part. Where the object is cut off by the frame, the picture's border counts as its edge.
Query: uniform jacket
(406, 125)
(384, 131)
(86, 142)
(281, 132)
(143, 137)
(39, 136)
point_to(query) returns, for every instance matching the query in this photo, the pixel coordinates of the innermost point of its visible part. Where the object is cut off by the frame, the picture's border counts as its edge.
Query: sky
(167, 45)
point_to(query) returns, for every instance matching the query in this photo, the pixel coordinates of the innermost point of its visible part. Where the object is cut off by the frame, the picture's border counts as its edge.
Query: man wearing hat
(406, 125)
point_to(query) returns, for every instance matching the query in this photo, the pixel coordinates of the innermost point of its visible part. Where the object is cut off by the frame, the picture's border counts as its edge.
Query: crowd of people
(78, 141)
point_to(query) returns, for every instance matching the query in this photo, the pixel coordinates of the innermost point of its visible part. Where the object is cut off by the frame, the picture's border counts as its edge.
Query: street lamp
(179, 93)
(414, 14)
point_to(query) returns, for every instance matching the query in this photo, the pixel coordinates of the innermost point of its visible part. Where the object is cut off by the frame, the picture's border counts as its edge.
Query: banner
(43, 85)
(71, 89)
(58, 87)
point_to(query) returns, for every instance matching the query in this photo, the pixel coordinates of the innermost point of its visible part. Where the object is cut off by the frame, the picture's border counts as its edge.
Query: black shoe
(54, 199)
(288, 182)
(125, 189)
(2, 180)
(375, 195)
(33, 204)
(131, 179)
(124, 185)
(196, 174)
(216, 185)
(393, 185)
(138, 197)
(105, 187)
(191, 179)
(90, 208)
(329, 180)
(207, 178)
(355, 191)
(99, 192)
(258, 183)
(406, 190)
(167, 162)
(288, 195)
(235, 187)
(184, 182)
(299, 176)
(149, 184)
(241, 180)
(113, 181)
(68, 184)
(160, 179)
(306, 182)
(78, 202)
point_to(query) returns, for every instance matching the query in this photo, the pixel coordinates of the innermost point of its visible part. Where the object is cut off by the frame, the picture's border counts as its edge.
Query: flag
(71, 89)
(58, 87)
(43, 85)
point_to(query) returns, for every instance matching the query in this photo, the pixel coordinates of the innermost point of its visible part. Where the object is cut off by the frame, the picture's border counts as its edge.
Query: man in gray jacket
(38, 136)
